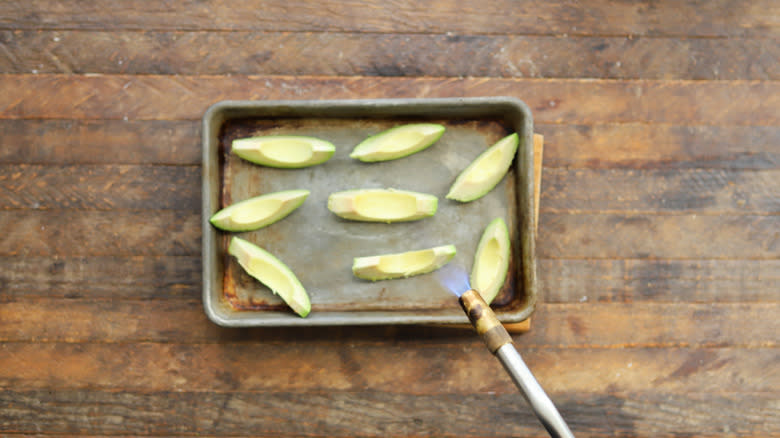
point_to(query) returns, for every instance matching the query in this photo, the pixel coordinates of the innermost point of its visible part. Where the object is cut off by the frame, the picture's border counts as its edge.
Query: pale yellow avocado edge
(244, 251)
(322, 151)
(342, 204)
(461, 182)
(498, 230)
(368, 268)
(364, 150)
(295, 199)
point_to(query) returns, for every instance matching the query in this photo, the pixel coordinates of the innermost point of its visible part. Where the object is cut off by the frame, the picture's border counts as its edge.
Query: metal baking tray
(319, 247)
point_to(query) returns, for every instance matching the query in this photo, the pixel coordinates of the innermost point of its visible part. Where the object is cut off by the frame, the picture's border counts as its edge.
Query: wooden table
(658, 244)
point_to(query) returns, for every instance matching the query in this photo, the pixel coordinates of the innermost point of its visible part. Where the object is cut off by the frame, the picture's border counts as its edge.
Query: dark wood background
(659, 233)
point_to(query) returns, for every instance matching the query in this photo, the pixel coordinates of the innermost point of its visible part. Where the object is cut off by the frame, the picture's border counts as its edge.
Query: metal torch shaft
(540, 403)
(499, 342)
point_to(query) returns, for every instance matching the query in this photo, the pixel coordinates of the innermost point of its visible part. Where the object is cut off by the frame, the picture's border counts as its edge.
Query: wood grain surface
(172, 97)
(720, 18)
(658, 234)
(382, 54)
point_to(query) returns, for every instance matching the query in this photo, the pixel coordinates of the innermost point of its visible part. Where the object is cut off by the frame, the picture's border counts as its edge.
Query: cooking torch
(499, 343)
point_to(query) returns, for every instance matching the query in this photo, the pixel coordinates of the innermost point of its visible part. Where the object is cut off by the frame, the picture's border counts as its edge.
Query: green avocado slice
(255, 213)
(398, 142)
(270, 271)
(484, 173)
(382, 205)
(284, 151)
(402, 265)
(491, 261)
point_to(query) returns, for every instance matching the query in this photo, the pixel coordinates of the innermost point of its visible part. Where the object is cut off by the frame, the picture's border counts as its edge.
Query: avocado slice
(404, 264)
(485, 171)
(270, 271)
(491, 261)
(258, 212)
(284, 151)
(382, 205)
(398, 142)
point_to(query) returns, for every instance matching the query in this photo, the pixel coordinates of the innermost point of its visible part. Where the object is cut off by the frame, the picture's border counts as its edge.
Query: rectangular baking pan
(319, 247)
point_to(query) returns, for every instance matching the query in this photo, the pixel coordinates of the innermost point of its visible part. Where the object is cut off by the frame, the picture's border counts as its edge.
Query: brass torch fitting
(483, 319)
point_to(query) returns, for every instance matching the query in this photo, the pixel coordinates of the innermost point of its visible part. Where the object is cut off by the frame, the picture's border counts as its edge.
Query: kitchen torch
(499, 343)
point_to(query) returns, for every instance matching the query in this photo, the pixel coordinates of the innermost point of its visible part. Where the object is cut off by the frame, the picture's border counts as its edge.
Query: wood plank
(560, 280)
(462, 367)
(374, 413)
(566, 190)
(593, 325)
(107, 277)
(551, 100)
(99, 141)
(640, 145)
(661, 190)
(637, 280)
(116, 233)
(607, 236)
(602, 17)
(625, 145)
(100, 187)
(654, 324)
(360, 54)
(561, 235)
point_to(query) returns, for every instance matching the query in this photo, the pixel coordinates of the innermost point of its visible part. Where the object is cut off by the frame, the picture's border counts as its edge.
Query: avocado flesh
(398, 142)
(491, 260)
(402, 265)
(485, 172)
(267, 269)
(261, 211)
(382, 205)
(283, 151)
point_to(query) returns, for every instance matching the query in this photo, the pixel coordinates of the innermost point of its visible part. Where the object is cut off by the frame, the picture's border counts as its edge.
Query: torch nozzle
(483, 319)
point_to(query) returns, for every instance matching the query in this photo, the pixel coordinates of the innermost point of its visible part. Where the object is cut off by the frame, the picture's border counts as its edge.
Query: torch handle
(540, 403)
